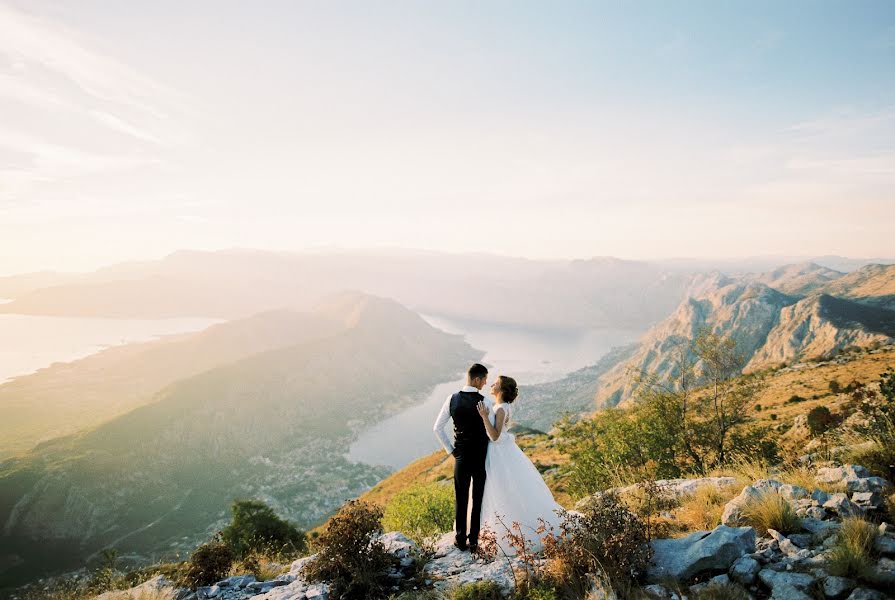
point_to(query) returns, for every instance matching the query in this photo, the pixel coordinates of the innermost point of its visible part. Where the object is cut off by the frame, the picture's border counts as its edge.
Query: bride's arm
(493, 430)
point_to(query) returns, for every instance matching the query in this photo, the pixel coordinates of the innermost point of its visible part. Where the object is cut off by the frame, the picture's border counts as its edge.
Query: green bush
(480, 590)
(350, 559)
(795, 398)
(835, 387)
(209, 563)
(421, 511)
(255, 527)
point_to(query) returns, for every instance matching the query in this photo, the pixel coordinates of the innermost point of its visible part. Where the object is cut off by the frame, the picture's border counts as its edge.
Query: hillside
(66, 397)
(809, 382)
(771, 325)
(159, 479)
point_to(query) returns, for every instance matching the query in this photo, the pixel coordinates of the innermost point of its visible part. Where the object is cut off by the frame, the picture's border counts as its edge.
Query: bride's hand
(483, 410)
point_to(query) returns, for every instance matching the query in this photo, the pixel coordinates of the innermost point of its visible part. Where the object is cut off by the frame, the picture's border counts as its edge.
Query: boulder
(868, 500)
(782, 583)
(841, 474)
(744, 570)
(869, 484)
(836, 588)
(700, 552)
(451, 566)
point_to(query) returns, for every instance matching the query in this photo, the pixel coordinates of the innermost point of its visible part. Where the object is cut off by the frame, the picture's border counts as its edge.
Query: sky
(536, 129)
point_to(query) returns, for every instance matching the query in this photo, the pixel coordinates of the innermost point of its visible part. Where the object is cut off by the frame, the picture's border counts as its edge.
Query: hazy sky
(540, 129)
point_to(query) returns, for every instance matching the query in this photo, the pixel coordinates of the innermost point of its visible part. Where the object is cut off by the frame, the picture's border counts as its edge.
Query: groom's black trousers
(469, 466)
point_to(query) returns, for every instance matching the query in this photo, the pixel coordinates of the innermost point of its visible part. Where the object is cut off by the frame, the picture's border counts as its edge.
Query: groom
(469, 450)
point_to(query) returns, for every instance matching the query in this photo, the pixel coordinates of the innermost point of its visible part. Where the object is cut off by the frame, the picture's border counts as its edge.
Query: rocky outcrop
(818, 327)
(700, 552)
(745, 310)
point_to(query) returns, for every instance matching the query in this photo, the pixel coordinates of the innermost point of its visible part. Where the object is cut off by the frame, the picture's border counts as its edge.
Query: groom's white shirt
(445, 415)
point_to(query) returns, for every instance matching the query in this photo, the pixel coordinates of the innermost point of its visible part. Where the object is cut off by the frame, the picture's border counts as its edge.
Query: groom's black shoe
(462, 547)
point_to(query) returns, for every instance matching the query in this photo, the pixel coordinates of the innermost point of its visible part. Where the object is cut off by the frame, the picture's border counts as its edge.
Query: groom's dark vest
(470, 436)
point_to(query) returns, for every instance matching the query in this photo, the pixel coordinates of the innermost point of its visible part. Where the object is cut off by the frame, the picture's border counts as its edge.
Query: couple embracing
(506, 486)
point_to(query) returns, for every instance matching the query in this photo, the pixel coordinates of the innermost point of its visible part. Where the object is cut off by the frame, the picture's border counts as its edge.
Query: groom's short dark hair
(476, 371)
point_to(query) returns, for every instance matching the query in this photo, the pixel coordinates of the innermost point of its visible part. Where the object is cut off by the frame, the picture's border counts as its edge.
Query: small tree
(819, 419)
(255, 527)
(835, 387)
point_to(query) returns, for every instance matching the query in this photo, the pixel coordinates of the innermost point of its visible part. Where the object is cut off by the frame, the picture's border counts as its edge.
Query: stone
(884, 571)
(722, 579)
(869, 484)
(885, 544)
(700, 552)
(733, 510)
(744, 570)
(836, 588)
(842, 506)
(819, 528)
(868, 500)
(840, 474)
(865, 594)
(773, 579)
(819, 496)
(802, 540)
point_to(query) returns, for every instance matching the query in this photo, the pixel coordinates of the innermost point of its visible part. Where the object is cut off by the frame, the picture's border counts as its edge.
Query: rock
(868, 500)
(733, 510)
(802, 540)
(661, 591)
(865, 594)
(837, 587)
(722, 579)
(885, 545)
(815, 512)
(819, 496)
(699, 552)
(884, 572)
(450, 566)
(842, 506)
(398, 544)
(869, 484)
(782, 583)
(744, 570)
(820, 529)
(840, 474)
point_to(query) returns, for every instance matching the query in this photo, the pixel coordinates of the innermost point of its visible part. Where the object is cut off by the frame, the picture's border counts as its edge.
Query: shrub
(605, 538)
(421, 511)
(350, 558)
(819, 419)
(771, 511)
(255, 527)
(853, 554)
(795, 398)
(209, 563)
(480, 590)
(835, 387)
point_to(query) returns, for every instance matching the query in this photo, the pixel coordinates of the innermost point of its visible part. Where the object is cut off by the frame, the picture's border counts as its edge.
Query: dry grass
(702, 510)
(260, 565)
(853, 554)
(165, 593)
(771, 511)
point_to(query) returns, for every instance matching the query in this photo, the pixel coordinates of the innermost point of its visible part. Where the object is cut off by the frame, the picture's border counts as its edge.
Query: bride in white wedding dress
(514, 489)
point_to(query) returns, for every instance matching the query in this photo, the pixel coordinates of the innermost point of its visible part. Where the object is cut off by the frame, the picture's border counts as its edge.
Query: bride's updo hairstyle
(508, 388)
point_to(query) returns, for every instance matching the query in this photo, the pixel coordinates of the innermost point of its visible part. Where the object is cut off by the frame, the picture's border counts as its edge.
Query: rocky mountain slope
(274, 425)
(771, 327)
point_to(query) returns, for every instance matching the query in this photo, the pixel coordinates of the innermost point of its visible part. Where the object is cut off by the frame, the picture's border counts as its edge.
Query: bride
(514, 489)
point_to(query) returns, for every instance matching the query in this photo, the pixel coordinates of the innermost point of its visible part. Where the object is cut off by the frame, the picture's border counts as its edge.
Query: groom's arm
(443, 417)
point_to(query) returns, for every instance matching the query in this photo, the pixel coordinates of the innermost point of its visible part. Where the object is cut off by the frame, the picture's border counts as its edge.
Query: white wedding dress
(514, 490)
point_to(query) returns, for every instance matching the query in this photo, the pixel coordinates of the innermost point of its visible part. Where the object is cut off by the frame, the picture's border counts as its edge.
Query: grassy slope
(807, 380)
